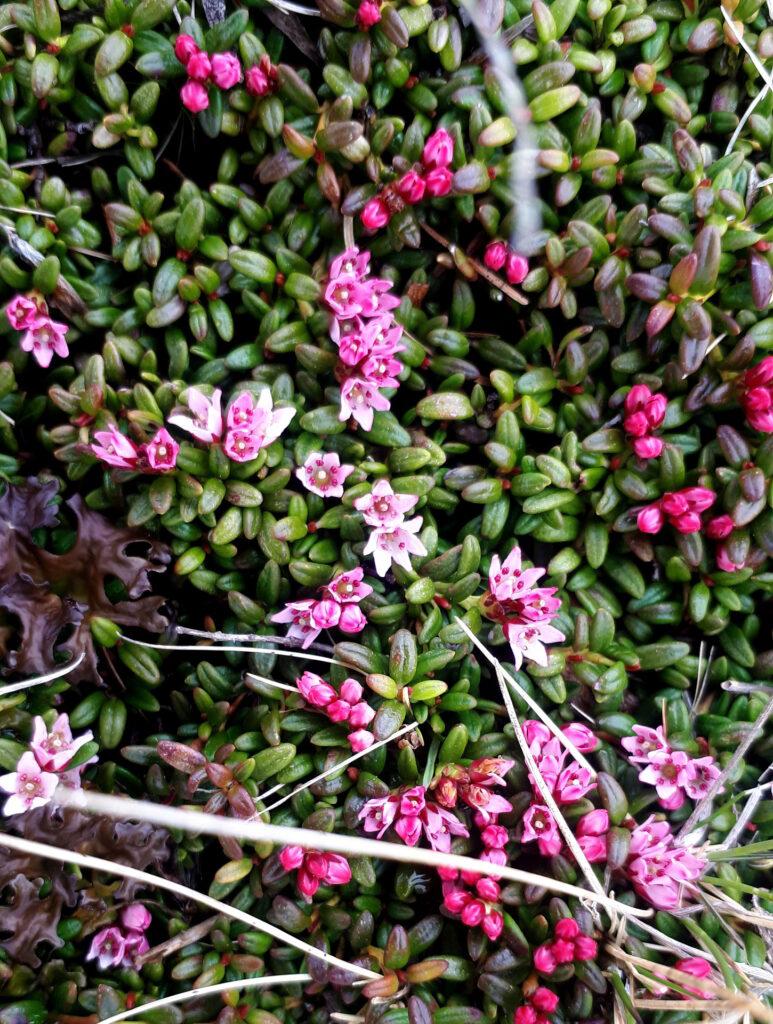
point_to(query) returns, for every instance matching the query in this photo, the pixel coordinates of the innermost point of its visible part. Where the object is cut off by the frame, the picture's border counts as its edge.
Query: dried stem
(179, 941)
(481, 268)
(49, 677)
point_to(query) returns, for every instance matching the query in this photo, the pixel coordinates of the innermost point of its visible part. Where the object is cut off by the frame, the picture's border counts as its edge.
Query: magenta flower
(257, 420)
(241, 446)
(43, 338)
(352, 619)
(206, 423)
(644, 413)
(226, 70)
(591, 835)
(184, 48)
(439, 182)
(644, 741)
(135, 917)
(135, 944)
(359, 400)
(351, 263)
(115, 448)
(698, 967)
(479, 909)
(720, 527)
(360, 740)
(324, 475)
(161, 451)
(368, 15)
(540, 825)
(302, 625)
(569, 945)
(756, 394)
(375, 214)
(516, 267)
(573, 783)
(347, 587)
(393, 545)
(658, 869)
(438, 149)
(699, 775)
(108, 948)
(383, 508)
(262, 78)
(411, 187)
(21, 312)
(495, 255)
(55, 749)
(682, 509)
(30, 786)
(412, 816)
(581, 736)
(315, 869)
(326, 613)
(199, 66)
(194, 96)
(315, 690)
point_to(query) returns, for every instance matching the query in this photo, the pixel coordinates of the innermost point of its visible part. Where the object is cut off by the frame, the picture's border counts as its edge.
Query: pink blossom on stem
(315, 869)
(698, 967)
(439, 182)
(516, 267)
(699, 775)
(348, 587)
(241, 446)
(438, 149)
(368, 15)
(359, 400)
(573, 783)
(528, 640)
(756, 394)
(581, 736)
(302, 625)
(315, 690)
(108, 948)
(326, 613)
(161, 451)
(539, 824)
(591, 835)
(375, 214)
(226, 70)
(644, 741)
(21, 312)
(29, 786)
(383, 507)
(135, 917)
(360, 740)
(45, 337)
(411, 187)
(55, 749)
(352, 619)
(194, 96)
(495, 255)
(184, 48)
(206, 421)
(412, 816)
(720, 527)
(324, 475)
(665, 771)
(351, 263)
(115, 448)
(393, 545)
(258, 420)
(199, 66)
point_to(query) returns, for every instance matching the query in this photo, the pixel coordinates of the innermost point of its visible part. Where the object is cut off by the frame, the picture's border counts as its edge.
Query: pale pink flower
(115, 448)
(359, 400)
(30, 786)
(699, 775)
(393, 545)
(378, 813)
(135, 944)
(315, 869)
(21, 312)
(241, 446)
(258, 419)
(108, 948)
(412, 815)
(351, 263)
(43, 338)
(161, 451)
(665, 771)
(315, 690)
(299, 614)
(226, 70)
(194, 96)
(55, 749)
(360, 740)
(581, 736)
(508, 580)
(348, 587)
(573, 783)
(650, 834)
(438, 149)
(382, 507)
(135, 917)
(324, 475)
(199, 66)
(527, 640)
(326, 613)
(644, 741)
(206, 423)
(376, 298)
(540, 825)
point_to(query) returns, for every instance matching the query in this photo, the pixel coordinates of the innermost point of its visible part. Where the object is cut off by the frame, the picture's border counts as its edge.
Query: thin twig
(240, 650)
(481, 268)
(177, 942)
(49, 677)
(253, 638)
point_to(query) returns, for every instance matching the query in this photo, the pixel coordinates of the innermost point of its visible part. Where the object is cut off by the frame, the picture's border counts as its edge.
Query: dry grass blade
(49, 677)
(233, 649)
(180, 941)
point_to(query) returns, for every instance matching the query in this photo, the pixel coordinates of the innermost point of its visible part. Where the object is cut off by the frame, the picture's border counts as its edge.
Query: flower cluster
(499, 255)
(431, 177)
(756, 395)
(523, 610)
(682, 509)
(47, 763)
(366, 333)
(392, 538)
(658, 868)
(673, 773)
(644, 413)
(315, 869)
(344, 706)
(474, 899)
(567, 946)
(338, 606)
(42, 336)
(474, 785)
(159, 455)
(542, 1002)
(250, 424)
(119, 946)
(410, 814)
(220, 71)
(567, 783)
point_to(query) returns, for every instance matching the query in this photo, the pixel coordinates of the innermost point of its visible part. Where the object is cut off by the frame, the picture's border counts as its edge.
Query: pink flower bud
(194, 96)
(315, 691)
(439, 182)
(585, 948)
(438, 150)
(473, 913)
(760, 374)
(648, 447)
(411, 187)
(360, 740)
(636, 424)
(544, 961)
(291, 857)
(566, 928)
(581, 736)
(339, 711)
(199, 66)
(456, 900)
(595, 823)
(184, 48)
(695, 965)
(525, 1015)
(135, 917)
(562, 950)
(720, 527)
(516, 267)
(257, 81)
(368, 15)
(226, 70)
(350, 691)
(326, 613)
(689, 522)
(375, 214)
(495, 255)
(492, 924)
(544, 1000)
(352, 619)
(650, 519)
(488, 889)
(361, 714)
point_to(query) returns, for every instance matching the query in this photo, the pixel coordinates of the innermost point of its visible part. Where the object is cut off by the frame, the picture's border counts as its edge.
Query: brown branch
(180, 941)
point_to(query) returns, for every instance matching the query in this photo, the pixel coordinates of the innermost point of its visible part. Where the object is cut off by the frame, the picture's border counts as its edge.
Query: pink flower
(315, 869)
(30, 786)
(573, 783)
(478, 910)
(257, 420)
(135, 917)
(382, 507)
(527, 640)
(226, 70)
(644, 412)
(54, 750)
(352, 619)
(756, 395)
(581, 736)
(393, 545)
(585, 948)
(324, 475)
(648, 447)
(199, 66)
(345, 296)
(348, 587)
(241, 446)
(495, 255)
(299, 614)
(544, 1000)
(438, 149)
(539, 823)
(326, 613)
(591, 834)
(720, 527)
(375, 214)
(698, 967)
(658, 868)
(544, 961)
(381, 370)
(206, 423)
(508, 580)
(411, 187)
(115, 448)
(368, 15)
(699, 775)
(376, 297)
(21, 312)
(360, 740)
(108, 948)
(258, 80)
(359, 399)
(412, 815)
(644, 742)
(315, 690)
(194, 96)
(161, 451)
(665, 771)
(439, 182)
(43, 338)
(351, 263)
(650, 519)
(516, 267)
(184, 48)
